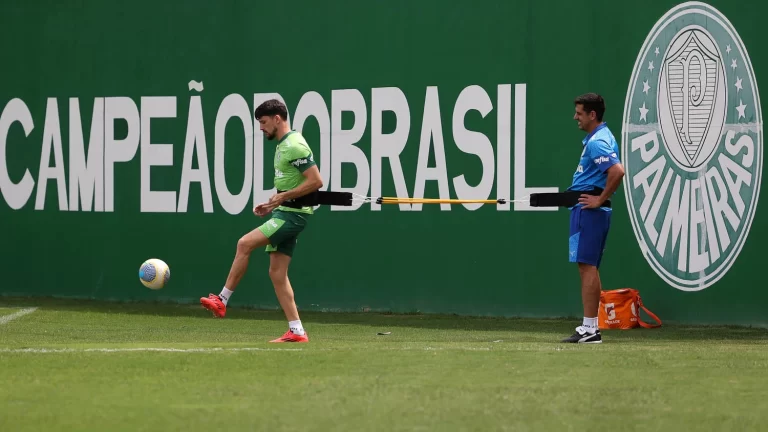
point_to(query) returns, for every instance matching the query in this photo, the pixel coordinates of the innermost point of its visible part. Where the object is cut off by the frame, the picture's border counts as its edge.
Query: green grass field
(80, 366)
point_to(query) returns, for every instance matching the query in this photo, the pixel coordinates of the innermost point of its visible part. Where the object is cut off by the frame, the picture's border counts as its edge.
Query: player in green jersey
(296, 175)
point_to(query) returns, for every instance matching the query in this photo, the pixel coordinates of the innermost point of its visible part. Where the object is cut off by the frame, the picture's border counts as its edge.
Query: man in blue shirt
(600, 173)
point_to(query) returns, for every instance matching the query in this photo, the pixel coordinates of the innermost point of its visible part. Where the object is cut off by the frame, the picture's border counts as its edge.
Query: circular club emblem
(692, 144)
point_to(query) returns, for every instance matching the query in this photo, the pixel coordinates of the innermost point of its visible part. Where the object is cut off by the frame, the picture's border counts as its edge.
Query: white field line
(119, 350)
(209, 350)
(5, 319)
(495, 348)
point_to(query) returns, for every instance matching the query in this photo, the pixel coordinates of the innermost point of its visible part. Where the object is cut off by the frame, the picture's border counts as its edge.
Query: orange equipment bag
(620, 309)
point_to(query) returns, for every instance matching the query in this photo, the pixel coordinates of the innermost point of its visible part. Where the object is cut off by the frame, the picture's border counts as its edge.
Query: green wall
(396, 98)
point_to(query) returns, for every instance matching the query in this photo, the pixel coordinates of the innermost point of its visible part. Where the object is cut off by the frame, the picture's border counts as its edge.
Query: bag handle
(651, 314)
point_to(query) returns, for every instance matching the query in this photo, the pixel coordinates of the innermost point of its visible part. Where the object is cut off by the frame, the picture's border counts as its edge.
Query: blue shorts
(589, 231)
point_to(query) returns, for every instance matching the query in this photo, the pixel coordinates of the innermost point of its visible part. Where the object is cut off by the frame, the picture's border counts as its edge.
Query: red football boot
(214, 304)
(290, 336)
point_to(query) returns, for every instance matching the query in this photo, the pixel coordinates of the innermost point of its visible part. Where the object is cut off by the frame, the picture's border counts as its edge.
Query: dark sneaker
(584, 336)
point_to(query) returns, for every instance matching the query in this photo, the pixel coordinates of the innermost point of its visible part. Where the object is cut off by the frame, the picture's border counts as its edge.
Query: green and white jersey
(292, 157)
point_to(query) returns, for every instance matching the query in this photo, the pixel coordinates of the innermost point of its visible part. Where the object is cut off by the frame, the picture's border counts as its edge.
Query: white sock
(225, 295)
(296, 327)
(590, 324)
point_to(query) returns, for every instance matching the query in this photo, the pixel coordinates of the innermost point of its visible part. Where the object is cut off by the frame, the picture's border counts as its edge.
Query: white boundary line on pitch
(118, 350)
(208, 350)
(5, 319)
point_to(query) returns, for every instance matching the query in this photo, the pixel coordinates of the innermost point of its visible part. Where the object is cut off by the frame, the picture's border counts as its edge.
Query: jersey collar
(591, 134)
(284, 137)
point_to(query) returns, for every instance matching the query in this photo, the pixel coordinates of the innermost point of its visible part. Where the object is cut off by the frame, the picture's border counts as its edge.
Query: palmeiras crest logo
(692, 143)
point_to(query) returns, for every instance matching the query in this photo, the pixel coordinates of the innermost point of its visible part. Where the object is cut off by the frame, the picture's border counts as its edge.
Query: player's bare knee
(277, 274)
(244, 246)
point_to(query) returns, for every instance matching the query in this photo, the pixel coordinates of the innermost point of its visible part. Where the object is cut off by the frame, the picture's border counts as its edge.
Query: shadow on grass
(389, 321)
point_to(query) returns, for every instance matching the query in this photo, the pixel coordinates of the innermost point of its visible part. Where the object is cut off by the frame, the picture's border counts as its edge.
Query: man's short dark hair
(592, 102)
(270, 108)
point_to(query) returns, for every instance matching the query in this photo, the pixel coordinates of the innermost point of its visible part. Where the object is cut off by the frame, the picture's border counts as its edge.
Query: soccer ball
(154, 273)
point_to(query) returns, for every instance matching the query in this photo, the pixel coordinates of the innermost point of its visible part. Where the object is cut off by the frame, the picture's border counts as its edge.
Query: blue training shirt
(601, 151)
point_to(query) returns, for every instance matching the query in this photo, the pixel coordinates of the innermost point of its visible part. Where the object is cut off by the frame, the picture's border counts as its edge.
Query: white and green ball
(154, 273)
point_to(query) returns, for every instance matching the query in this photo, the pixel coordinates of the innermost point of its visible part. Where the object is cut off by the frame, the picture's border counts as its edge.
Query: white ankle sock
(296, 327)
(225, 295)
(590, 324)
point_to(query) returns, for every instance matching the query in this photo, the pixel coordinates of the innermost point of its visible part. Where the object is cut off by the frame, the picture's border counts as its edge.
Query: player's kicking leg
(278, 273)
(218, 303)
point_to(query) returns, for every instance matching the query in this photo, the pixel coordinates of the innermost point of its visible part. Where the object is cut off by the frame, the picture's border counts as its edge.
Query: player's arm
(313, 181)
(302, 159)
(305, 163)
(608, 162)
(615, 174)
